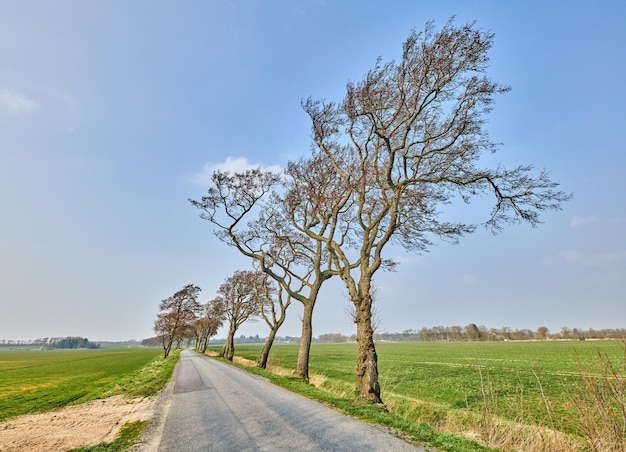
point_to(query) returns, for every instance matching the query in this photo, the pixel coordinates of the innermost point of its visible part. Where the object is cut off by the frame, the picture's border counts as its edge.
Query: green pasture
(535, 383)
(39, 380)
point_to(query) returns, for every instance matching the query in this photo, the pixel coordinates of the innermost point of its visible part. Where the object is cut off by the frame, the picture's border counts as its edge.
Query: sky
(114, 113)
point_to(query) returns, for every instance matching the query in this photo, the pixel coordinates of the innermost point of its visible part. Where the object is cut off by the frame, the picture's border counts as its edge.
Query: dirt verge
(75, 426)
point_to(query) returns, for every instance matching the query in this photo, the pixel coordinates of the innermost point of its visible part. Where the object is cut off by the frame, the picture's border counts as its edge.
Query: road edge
(151, 437)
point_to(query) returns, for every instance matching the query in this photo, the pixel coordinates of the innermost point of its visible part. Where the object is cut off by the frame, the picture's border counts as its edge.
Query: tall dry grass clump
(601, 405)
(485, 427)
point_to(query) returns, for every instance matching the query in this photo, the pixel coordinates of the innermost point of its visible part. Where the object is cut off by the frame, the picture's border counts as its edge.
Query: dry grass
(602, 406)
(485, 427)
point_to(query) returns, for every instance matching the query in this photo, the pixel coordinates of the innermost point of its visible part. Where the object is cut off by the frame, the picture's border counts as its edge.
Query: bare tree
(273, 310)
(542, 332)
(206, 326)
(176, 314)
(278, 234)
(404, 141)
(238, 301)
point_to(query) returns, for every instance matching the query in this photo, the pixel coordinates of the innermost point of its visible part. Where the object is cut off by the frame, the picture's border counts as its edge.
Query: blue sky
(113, 113)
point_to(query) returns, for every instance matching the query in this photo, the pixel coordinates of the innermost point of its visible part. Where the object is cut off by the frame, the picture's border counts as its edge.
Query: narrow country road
(217, 407)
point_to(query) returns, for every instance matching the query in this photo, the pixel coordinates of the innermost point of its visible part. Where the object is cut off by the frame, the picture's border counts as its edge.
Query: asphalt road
(216, 407)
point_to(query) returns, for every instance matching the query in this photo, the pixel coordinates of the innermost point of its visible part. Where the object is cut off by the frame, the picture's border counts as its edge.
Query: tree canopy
(406, 140)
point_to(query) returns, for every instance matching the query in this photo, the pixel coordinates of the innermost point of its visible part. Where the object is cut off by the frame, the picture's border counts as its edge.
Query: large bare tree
(176, 314)
(406, 140)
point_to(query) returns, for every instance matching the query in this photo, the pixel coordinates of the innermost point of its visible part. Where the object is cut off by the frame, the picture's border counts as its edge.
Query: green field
(526, 383)
(40, 380)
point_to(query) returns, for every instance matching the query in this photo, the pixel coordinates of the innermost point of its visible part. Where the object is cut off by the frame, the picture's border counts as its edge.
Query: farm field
(523, 383)
(33, 381)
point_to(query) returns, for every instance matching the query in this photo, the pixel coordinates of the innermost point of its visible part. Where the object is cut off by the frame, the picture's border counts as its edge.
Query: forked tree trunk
(274, 327)
(265, 353)
(367, 360)
(167, 347)
(302, 368)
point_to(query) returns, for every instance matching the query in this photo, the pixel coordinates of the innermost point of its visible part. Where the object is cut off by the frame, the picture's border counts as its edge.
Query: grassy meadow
(40, 380)
(509, 395)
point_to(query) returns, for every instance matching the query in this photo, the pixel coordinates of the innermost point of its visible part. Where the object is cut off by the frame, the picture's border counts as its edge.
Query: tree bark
(167, 347)
(302, 368)
(367, 360)
(265, 353)
(228, 351)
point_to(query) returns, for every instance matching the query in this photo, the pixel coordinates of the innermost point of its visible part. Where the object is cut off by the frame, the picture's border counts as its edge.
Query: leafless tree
(176, 314)
(542, 332)
(277, 235)
(206, 326)
(238, 302)
(273, 310)
(406, 140)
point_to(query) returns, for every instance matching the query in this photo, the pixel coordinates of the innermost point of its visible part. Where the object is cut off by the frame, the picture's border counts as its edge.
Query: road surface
(217, 407)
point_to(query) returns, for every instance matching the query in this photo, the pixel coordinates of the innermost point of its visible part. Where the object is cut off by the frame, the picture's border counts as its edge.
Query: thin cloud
(583, 221)
(15, 103)
(232, 165)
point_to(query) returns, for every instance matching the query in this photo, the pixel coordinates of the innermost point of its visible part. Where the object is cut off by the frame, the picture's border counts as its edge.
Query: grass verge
(128, 436)
(146, 381)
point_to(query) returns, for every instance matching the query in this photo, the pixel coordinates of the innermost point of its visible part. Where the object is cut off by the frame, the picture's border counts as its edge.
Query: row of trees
(406, 140)
(457, 333)
(182, 318)
(472, 332)
(246, 295)
(64, 342)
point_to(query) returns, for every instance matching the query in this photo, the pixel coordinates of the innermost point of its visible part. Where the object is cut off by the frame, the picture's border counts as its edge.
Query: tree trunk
(167, 347)
(302, 368)
(265, 353)
(367, 359)
(228, 351)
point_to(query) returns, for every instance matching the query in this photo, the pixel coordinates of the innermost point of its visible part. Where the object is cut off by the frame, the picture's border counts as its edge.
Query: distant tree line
(472, 332)
(67, 342)
(468, 333)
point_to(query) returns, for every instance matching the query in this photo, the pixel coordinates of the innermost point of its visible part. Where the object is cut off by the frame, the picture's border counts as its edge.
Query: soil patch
(76, 426)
